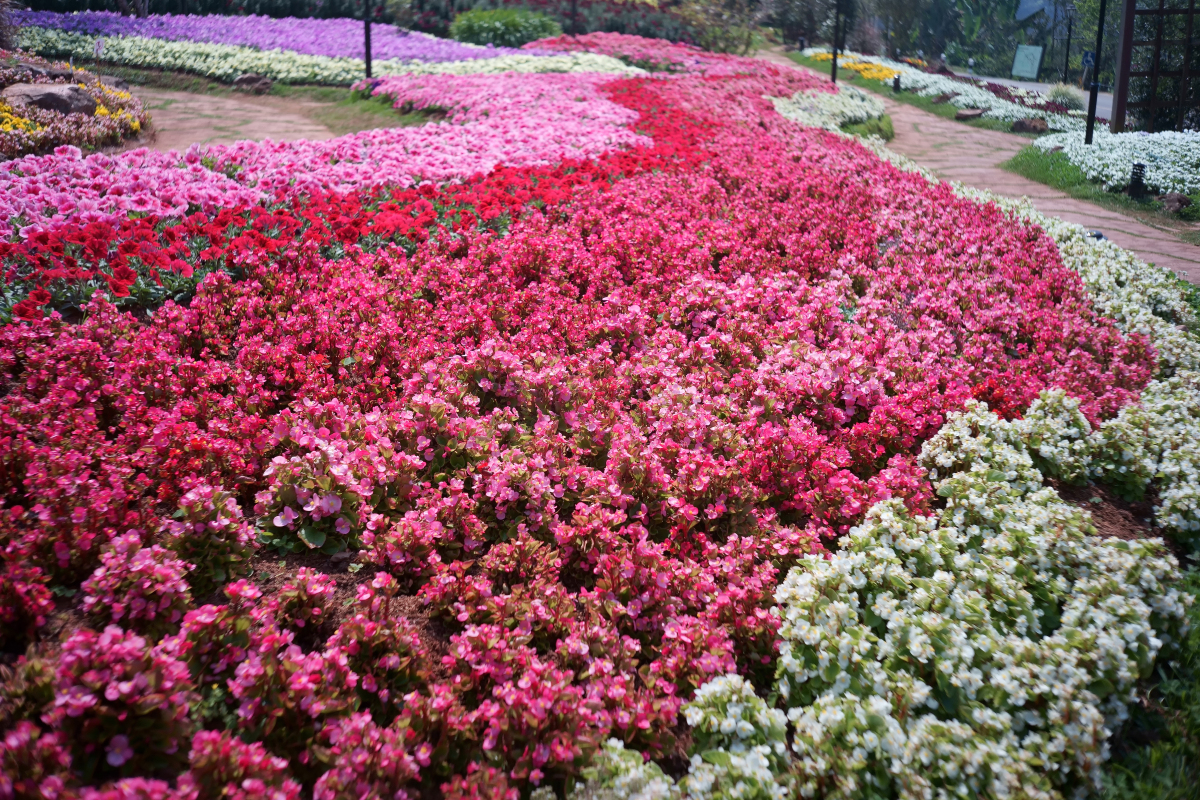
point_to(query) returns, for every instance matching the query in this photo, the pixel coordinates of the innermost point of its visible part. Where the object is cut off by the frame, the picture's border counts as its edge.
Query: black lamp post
(1070, 24)
(837, 16)
(1091, 117)
(367, 35)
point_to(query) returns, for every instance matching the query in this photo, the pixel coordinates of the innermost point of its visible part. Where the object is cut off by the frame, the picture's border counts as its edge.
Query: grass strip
(1057, 171)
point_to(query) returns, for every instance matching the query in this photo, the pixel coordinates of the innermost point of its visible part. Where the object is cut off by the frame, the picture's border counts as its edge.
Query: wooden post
(1123, 66)
(1091, 116)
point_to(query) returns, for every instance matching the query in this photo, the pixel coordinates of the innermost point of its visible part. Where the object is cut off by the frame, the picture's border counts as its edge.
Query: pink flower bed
(515, 119)
(571, 455)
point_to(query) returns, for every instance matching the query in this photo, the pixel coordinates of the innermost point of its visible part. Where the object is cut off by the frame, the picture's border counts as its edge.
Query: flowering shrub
(304, 598)
(226, 61)
(829, 110)
(24, 603)
(33, 764)
(209, 532)
(382, 649)
(122, 706)
(930, 633)
(140, 588)
(222, 766)
(1170, 157)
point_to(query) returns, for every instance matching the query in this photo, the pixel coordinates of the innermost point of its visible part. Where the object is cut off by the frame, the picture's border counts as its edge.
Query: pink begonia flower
(119, 750)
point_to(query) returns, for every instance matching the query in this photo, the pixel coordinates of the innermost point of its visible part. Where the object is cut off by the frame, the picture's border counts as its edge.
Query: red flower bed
(576, 421)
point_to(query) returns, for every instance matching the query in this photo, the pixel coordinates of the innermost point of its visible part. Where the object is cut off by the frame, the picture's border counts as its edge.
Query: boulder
(34, 69)
(1030, 125)
(60, 74)
(944, 97)
(969, 113)
(250, 82)
(61, 97)
(113, 82)
(1174, 202)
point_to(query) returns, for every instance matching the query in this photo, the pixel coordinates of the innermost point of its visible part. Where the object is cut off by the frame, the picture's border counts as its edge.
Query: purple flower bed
(339, 37)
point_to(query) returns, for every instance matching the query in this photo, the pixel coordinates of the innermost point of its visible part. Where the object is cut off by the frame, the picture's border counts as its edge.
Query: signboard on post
(1089, 59)
(1028, 62)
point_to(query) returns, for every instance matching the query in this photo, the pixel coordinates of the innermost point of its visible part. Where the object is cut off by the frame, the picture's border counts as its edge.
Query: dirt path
(973, 156)
(181, 119)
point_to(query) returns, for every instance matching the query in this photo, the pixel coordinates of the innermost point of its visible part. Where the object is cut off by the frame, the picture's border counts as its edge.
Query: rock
(113, 82)
(256, 84)
(60, 97)
(1097, 235)
(34, 69)
(344, 555)
(944, 97)
(1174, 202)
(969, 113)
(1030, 125)
(60, 74)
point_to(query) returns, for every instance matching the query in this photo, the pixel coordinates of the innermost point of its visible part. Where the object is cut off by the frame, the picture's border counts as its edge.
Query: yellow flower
(10, 121)
(102, 111)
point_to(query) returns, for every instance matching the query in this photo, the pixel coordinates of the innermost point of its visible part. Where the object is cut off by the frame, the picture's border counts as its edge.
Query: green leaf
(349, 360)
(718, 757)
(312, 537)
(1101, 688)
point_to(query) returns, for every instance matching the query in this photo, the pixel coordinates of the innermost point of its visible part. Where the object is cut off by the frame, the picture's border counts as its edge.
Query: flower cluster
(223, 766)
(934, 634)
(337, 37)
(1172, 158)
(140, 588)
(28, 129)
(122, 705)
(209, 532)
(998, 101)
(830, 110)
(653, 55)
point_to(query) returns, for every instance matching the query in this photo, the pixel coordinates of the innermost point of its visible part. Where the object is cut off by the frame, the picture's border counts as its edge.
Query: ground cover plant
(612, 417)
(25, 128)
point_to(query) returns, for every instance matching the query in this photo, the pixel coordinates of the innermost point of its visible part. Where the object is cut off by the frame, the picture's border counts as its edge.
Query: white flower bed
(226, 62)
(1172, 158)
(829, 110)
(971, 95)
(987, 650)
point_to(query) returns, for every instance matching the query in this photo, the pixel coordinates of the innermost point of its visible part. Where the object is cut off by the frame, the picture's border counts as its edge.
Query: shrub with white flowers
(828, 110)
(1172, 158)
(987, 650)
(1155, 442)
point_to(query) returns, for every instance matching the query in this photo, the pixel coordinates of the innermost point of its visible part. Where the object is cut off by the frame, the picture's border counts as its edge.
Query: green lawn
(1054, 169)
(335, 107)
(945, 110)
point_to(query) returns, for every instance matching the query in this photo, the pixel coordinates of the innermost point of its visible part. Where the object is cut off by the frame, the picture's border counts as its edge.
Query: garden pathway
(183, 118)
(972, 156)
